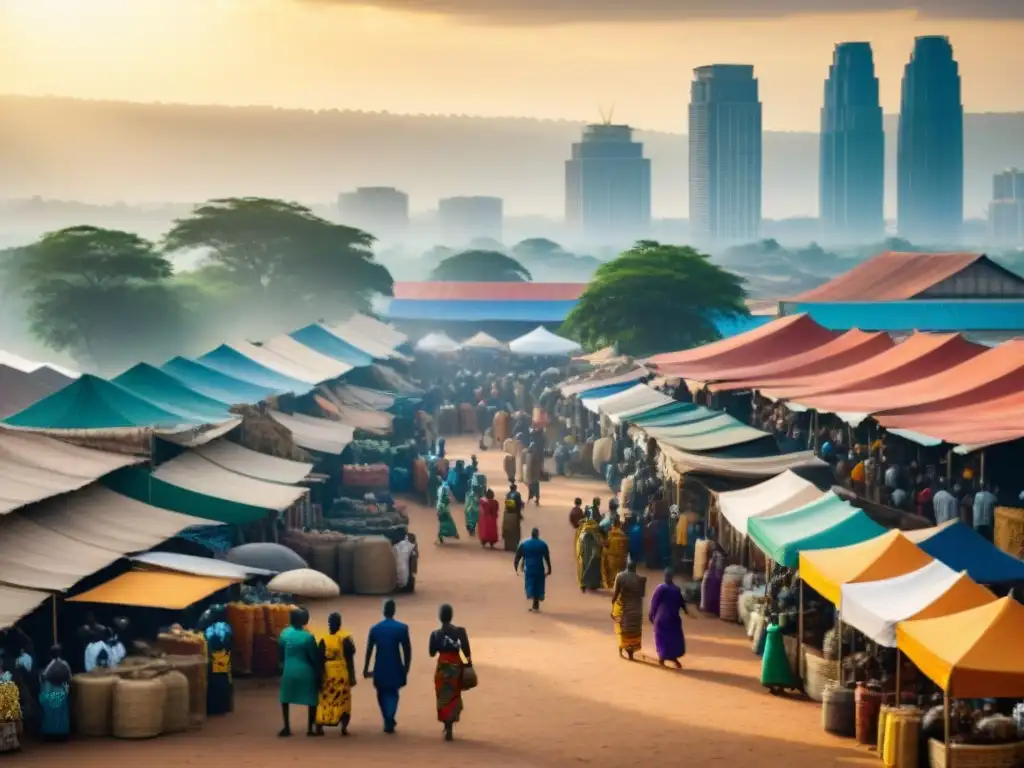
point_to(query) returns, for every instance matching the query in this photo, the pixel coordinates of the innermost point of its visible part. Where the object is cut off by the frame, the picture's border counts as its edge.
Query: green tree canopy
(296, 265)
(655, 298)
(100, 294)
(480, 267)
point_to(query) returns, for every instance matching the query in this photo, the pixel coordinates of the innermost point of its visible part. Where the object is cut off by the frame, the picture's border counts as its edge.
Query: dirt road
(553, 691)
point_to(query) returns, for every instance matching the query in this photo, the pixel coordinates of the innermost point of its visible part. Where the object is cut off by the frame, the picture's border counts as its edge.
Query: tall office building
(1006, 211)
(466, 218)
(930, 160)
(852, 185)
(725, 154)
(381, 211)
(608, 184)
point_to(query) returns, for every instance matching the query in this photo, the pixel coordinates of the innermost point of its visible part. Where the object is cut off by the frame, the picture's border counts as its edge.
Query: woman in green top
(300, 670)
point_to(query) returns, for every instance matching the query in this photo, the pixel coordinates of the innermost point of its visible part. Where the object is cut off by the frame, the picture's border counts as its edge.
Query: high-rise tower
(852, 184)
(931, 145)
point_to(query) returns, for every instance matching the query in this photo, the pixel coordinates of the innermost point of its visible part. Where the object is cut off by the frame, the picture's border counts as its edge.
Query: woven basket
(178, 710)
(728, 603)
(92, 703)
(837, 710)
(324, 556)
(139, 706)
(194, 670)
(375, 571)
(180, 643)
(818, 672)
(976, 755)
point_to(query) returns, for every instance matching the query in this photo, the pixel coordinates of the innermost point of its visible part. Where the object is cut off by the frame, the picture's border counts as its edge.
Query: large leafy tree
(480, 267)
(655, 298)
(284, 259)
(102, 295)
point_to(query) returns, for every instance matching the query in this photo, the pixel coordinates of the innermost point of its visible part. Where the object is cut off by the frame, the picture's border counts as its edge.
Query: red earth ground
(553, 691)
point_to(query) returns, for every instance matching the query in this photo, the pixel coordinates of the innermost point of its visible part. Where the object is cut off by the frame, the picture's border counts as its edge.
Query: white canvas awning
(307, 359)
(316, 434)
(580, 386)
(353, 415)
(199, 566)
(194, 473)
(15, 604)
(484, 341)
(437, 344)
(375, 329)
(242, 461)
(760, 467)
(269, 359)
(631, 402)
(540, 342)
(34, 467)
(360, 337)
(782, 493)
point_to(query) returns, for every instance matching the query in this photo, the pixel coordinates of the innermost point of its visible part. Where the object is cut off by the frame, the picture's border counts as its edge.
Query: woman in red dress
(487, 526)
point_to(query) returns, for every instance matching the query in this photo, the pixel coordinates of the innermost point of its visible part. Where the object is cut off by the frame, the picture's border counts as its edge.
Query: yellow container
(902, 729)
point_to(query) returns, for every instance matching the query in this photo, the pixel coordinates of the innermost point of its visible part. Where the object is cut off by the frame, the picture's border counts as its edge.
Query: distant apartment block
(725, 154)
(608, 184)
(1006, 211)
(381, 211)
(467, 218)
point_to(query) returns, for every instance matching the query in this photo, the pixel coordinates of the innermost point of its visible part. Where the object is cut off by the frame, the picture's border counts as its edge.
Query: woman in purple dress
(666, 602)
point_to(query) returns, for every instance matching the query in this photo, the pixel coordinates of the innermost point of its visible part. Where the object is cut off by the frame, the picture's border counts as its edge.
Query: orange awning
(154, 589)
(973, 654)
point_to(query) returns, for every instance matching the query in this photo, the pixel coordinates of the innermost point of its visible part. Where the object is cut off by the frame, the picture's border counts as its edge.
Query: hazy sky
(536, 58)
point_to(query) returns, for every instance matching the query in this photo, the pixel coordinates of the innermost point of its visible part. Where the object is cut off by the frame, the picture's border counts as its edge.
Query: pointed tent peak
(90, 402)
(213, 383)
(437, 343)
(168, 392)
(540, 342)
(483, 341)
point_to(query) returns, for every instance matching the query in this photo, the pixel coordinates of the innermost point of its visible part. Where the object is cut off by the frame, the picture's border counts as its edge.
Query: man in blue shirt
(390, 638)
(536, 559)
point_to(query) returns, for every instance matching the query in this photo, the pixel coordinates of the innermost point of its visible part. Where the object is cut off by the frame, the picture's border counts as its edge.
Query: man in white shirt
(984, 509)
(945, 505)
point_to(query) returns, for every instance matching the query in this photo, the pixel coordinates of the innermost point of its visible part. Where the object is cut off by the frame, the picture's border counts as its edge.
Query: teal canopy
(90, 402)
(823, 524)
(672, 414)
(168, 392)
(215, 384)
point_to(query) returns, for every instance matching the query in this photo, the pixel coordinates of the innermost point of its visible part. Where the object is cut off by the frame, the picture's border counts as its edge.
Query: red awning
(430, 291)
(917, 357)
(995, 373)
(784, 337)
(891, 276)
(849, 349)
(1001, 409)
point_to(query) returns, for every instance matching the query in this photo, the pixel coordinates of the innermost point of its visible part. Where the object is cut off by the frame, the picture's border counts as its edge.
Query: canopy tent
(875, 608)
(90, 402)
(603, 356)
(783, 493)
(757, 468)
(917, 357)
(192, 472)
(636, 400)
(672, 414)
(356, 333)
(15, 604)
(231, 362)
(600, 380)
(780, 338)
(437, 344)
(540, 342)
(198, 566)
(484, 341)
(11, 360)
(719, 420)
(891, 554)
(393, 381)
(35, 467)
(298, 354)
(370, 326)
(606, 391)
(732, 440)
(155, 589)
(972, 654)
(823, 524)
(171, 394)
(967, 437)
(851, 348)
(316, 434)
(963, 549)
(240, 460)
(322, 339)
(18, 389)
(355, 416)
(985, 412)
(364, 397)
(284, 366)
(217, 385)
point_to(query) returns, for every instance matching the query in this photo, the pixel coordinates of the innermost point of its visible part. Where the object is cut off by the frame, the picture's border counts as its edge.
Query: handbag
(469, 678)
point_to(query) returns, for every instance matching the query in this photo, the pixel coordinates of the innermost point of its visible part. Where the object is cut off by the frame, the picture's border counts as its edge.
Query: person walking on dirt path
(390, 639)
(536, 559)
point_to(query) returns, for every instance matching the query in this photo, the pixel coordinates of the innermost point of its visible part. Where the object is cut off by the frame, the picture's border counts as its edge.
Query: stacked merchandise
(399, 460)
(379, 517)
(365, 477)
(732, 580)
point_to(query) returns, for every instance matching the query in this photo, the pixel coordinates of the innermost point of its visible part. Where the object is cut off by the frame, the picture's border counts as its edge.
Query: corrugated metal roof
(891, 276)
(920, 315)
(431, 291)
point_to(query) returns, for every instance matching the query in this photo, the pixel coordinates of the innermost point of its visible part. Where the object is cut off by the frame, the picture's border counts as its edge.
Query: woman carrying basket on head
(450, 644)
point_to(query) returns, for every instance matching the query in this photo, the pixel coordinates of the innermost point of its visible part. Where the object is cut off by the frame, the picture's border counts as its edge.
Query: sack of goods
(602, 453)
(375, 570)
(177, 714)
(324, 552)
(305, 582)
(92, 698)
(365, 476)
(448, 420)
(139, 707)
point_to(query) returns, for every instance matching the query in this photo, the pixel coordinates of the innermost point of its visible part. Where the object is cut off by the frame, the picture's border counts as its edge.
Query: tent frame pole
(839, 637)
(899, 665)
(800, 634)
(945, 706)
(53, 617)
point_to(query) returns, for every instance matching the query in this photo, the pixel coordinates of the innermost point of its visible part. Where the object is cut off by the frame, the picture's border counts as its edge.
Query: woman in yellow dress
(615, 555)
(589, 543)
(334, 704)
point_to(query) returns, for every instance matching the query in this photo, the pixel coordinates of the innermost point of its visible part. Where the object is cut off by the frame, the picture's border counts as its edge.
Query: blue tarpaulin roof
(922, 315)
(611, 389)
(321, 340)
(215, 384)
(963, 549)
(234, 363)
(164, 390)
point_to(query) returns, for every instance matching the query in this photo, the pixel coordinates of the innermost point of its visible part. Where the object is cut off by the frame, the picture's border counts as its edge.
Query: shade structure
(231, 362)
(875, 608)
(298, 354)
(198, 566)
(883, 557)
(368, 339)
(437, 344)
(963, 549)
(601, 357)
(171, 394)
(155, 589)
(316, 434)
(634, 401)
(672, 414)
(823, 524)
(282, 365)
(320, 338)
(783, 493)
(484, 341)
(15, 604)
(972, 654)
(714, 434)
(192, 472)
(354, 416)
(600, 380)
(25, 365)
(240, 460)
(755, 468)
(385, 334)
(216, 384)
(364, 397)
(20, 389)
(540, 342)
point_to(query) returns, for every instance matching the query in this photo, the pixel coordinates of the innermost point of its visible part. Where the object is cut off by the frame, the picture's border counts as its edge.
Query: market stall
(963, 549)
(540, 342)
(783, 493)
